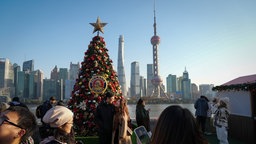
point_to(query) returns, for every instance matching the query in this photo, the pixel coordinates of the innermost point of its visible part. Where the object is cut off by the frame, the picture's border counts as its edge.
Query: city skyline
(214, 40)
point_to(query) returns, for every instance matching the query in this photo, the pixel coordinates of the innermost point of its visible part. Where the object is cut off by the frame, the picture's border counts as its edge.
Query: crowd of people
(175, 124)
(218, 107)
(18, 124)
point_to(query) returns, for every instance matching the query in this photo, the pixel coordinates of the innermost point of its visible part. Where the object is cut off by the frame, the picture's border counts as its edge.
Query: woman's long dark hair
(177, 125)
(140, 101)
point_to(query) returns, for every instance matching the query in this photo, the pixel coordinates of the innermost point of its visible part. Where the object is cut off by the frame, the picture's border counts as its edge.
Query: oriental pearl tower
(156, 80)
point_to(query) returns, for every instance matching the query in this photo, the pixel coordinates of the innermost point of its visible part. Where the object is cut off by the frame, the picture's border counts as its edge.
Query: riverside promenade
(212, 139)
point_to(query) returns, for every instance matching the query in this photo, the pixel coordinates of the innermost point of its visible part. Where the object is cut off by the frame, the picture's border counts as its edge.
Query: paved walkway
(212, 139)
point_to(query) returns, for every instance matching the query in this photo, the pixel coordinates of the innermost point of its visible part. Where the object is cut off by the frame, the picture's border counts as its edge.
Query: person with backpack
(41, 110)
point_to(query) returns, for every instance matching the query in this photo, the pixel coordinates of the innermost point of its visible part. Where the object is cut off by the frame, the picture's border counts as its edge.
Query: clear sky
(214, 39)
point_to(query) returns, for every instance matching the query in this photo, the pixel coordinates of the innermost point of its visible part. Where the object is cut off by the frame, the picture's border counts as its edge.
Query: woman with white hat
(221, 120)
(60, 119)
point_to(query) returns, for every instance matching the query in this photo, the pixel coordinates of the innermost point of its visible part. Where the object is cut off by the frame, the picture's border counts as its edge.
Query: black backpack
(42, 109)
(38, 111)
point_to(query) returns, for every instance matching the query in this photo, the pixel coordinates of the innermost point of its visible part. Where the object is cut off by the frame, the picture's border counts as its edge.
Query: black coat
(142, 117)
(104, 119)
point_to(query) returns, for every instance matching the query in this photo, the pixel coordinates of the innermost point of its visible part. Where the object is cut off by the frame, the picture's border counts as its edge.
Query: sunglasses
(4, 119)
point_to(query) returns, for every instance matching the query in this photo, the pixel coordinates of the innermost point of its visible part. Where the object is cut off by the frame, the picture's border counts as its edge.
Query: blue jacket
(201, 106)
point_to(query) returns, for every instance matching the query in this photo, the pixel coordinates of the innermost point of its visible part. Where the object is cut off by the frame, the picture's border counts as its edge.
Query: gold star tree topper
(98, 26)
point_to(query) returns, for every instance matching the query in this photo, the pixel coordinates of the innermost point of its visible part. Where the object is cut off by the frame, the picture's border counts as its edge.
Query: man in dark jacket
(104, 118)
(201, 106)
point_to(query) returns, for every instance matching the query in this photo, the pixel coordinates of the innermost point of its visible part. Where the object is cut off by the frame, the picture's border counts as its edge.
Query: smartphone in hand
(142, 135)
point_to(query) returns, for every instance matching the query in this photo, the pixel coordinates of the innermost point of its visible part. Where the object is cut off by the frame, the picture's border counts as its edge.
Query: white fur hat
(58, 116)
(225, 100)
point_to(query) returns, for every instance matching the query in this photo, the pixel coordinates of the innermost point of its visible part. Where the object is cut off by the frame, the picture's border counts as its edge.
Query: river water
(155, 109)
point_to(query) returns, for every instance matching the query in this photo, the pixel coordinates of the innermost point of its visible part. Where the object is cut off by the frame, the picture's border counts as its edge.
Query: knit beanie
(58, 116)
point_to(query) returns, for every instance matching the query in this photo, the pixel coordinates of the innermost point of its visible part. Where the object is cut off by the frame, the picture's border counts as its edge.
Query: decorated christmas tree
(96, 77)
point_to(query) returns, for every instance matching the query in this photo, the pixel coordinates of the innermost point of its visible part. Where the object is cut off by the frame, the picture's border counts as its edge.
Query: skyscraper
(171, 84)
(35, 83)
(63, 74)
(69, 84)
(30, 85)
(28, 66)
(54, 73)
(156, 81)
(73, 71)
(135, 80)
(186, 86)
(16, 70)
(50, 89)
(20, 84)
(6, 73)
(39, 81)
(23, 84)
(120, 66)
(6, 78)
(179, 81)
(149, 78)
(143, 86)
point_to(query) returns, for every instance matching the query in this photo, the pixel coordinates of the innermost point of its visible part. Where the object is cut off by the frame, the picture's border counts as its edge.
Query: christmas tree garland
(236, 87)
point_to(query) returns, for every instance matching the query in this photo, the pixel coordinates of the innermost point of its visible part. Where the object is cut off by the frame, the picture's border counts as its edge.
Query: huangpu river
(155, 109)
